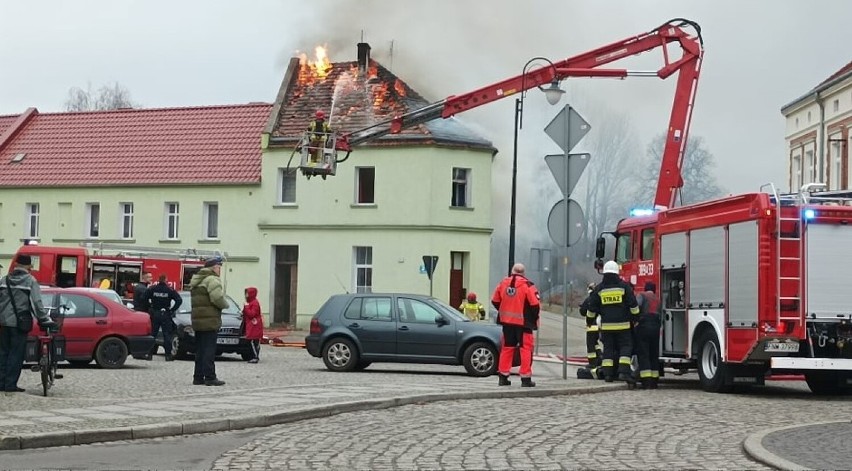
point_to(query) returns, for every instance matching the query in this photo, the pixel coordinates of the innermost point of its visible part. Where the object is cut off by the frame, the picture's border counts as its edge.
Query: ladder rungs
(790, 258)
(790, 278)
(787, 297)
(789, 219)
(789, 238)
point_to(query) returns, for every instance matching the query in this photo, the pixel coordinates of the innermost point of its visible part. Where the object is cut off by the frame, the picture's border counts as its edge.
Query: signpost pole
(565, 294)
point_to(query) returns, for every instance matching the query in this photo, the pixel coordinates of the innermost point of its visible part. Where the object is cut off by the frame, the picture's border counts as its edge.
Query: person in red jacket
(254, 322)
(518, 306)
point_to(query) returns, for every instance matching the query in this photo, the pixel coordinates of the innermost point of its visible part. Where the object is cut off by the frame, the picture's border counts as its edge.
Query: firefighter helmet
(611, 267)
(471, 297)
(320, 114)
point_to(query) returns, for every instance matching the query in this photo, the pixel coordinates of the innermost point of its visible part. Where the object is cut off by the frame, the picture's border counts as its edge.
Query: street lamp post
(553, 94)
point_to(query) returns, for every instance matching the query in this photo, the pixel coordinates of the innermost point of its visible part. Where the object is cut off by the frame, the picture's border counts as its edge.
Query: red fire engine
(88, 266)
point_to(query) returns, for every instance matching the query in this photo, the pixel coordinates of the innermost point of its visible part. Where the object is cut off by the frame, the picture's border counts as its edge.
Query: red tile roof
(164, 146)
(847, 69)
(355, 99)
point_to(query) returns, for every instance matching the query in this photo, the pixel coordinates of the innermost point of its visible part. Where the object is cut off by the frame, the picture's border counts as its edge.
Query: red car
(96, 327)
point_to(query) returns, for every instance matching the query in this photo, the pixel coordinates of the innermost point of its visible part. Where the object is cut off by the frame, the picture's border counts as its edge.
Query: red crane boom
(588, 64)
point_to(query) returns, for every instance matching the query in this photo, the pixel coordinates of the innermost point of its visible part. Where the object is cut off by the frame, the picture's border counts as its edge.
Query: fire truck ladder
(788, 223)
(102, 248)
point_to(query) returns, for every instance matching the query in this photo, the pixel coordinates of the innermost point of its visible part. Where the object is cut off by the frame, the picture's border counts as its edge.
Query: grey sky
(759, 56)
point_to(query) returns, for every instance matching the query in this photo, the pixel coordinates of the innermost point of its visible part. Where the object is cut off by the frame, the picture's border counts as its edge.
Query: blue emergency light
(641, 212)
(809, 214)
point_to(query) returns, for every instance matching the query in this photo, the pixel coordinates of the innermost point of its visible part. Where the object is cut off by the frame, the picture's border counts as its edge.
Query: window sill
(285, 206)
(461, 208)
(170, 241)
(209, 241)
(363, 205)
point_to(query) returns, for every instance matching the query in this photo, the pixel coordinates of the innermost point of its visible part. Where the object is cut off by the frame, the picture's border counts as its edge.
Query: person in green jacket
(208, 300)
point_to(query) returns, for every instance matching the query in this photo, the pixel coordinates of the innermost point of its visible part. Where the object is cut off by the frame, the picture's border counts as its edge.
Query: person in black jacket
(592, 330)
(162, 302)
(614, 301)
(139, 302)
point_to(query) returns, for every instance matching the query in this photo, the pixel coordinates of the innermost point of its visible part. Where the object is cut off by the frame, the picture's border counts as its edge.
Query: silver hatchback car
(351, 331)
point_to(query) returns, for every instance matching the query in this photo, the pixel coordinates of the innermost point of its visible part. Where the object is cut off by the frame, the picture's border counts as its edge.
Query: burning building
(425, 190)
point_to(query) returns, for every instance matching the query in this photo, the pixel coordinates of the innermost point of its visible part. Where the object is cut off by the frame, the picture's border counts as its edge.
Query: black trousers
(592, 337)
(164, 322)
(648, 349)
(618, 350)
(13, 346)
(255, 349)
(205, 355)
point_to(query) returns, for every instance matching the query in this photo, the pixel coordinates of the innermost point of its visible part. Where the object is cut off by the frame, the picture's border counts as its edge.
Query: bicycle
(49, 351)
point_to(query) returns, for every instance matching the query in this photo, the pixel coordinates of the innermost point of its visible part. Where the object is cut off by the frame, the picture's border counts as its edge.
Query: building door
(286, 282)
(457, 278)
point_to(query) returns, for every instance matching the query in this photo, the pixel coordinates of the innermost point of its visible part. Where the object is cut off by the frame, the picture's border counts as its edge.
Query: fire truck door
(673, 292)
(103, 270)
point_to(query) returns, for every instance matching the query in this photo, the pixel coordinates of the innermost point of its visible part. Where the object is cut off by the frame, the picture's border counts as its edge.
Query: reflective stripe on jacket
(517, 302)
(615, 303)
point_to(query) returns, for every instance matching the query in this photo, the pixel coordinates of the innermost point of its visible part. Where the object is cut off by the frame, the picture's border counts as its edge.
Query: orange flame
(317, 69)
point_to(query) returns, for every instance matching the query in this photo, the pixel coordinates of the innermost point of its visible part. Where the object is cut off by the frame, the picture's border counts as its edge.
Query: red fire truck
(89, 265)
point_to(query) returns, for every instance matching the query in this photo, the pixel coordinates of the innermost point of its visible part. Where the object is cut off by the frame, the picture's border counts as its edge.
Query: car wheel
(340, 354)
(79, 362)
(246, 356)
(480, 359)
(111, 353)
(712, 371)
(178, 350)
(826, 384)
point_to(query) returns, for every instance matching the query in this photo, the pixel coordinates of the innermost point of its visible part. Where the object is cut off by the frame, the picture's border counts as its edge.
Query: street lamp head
(553, 93)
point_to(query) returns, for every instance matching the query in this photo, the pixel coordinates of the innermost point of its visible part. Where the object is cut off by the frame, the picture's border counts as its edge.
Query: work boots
(169, 357)
(504, 380)
(527, 383)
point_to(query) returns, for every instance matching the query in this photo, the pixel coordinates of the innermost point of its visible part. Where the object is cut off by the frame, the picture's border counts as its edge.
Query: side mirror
(440, 320)
(600, 248)
(599, 263)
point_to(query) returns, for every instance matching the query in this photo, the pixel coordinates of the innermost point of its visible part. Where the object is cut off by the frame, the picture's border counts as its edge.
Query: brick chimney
(363, 56)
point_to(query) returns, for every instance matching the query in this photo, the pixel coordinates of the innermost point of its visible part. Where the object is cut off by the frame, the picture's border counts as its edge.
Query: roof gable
(165, 146)
(356, 98)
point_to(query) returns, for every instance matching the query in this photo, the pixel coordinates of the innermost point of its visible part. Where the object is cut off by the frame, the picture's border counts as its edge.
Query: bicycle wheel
(46, 371)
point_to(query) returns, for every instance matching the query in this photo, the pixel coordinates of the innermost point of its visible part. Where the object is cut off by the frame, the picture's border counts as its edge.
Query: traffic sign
(567, 128)
(429, 262)
(576, 164)
(566, 228)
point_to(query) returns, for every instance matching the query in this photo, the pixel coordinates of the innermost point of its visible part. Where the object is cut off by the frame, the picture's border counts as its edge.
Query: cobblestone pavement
(662, 429)
(819, 446)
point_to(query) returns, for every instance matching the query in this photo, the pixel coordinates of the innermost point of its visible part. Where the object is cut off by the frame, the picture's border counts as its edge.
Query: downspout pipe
(821, 136)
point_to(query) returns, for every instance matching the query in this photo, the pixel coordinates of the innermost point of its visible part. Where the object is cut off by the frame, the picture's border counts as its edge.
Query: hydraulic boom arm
(586, 65)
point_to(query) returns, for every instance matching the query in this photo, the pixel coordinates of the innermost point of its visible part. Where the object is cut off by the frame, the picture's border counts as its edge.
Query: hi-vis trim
(611, 295)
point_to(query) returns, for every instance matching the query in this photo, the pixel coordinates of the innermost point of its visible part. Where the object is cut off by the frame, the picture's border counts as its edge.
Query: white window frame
(125, 211)
(362, 263)
(834, 156)
(810, 170)
(357, 196)
(211, 230)
(797, 173)
(93, 220)
(171, 220)
(286, 179)
(32, 225)
(465, 180)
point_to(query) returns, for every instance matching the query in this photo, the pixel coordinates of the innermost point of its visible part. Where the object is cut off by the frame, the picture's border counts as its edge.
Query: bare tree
(699, 180)
(108, 97)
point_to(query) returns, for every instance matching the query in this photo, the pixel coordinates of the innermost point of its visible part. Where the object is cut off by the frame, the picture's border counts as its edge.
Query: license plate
(788, 347)
(227, 341)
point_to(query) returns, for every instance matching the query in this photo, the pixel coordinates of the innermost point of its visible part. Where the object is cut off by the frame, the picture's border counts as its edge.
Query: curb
(753, 447)
(81, 437)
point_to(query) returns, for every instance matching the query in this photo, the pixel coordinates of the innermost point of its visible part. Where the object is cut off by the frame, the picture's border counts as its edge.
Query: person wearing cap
(647, 336)
(208, 301)
(20, 300)
(318, 131)
(613, 300)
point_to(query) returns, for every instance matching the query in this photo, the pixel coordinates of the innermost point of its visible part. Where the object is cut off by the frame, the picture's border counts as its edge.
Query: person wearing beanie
(208, 301)
(20, 301)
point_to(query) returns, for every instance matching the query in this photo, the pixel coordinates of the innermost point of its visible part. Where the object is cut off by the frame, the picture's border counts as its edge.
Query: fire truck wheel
(824, 383)
(111, 353)
(712, 371)
(340, 354)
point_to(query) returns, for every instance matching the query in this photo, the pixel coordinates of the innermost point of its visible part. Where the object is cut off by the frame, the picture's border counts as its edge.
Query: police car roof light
(641, 212)
(809, 214)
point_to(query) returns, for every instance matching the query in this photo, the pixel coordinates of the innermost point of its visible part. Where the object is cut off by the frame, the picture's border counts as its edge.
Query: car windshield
(448, 311)
(233, 308)
(109, 294)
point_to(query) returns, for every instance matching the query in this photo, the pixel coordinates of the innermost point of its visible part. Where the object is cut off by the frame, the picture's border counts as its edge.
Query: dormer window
(18, 157)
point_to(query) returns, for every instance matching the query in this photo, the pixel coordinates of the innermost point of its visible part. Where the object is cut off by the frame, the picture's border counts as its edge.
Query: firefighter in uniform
(647, 336)
(472, 309)
(614, 301)
(318, 131)
(163, 302)
(592, 331)
(517, 302)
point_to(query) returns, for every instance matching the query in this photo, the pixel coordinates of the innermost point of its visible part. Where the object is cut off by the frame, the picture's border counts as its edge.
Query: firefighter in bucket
(317, 148)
